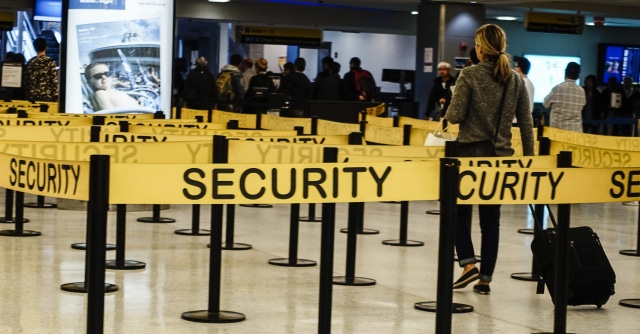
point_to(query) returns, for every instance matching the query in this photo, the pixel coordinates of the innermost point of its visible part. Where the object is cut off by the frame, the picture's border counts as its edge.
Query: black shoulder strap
(500, 109)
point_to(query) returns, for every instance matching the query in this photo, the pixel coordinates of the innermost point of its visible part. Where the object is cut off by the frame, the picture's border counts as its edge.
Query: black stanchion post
(94, 138)
(444, 306)
(355, 138)
(327, 241)
(155, 216)
(178, 114)
(159, 114)
(96, 243)
(233, 124)
(355, 214)
(124, 126)
(562, 257)
(229, 243)
(8, 208)
(544, 147)
(98, 208)
(292, 260)
(258, 121)
(404, 205)
(213, 314)
(121, 228)
(195, 223)
(19, 230)
(40, 204)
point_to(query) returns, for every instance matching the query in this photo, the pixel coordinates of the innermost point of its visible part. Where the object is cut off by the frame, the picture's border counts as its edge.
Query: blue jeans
(490, 230)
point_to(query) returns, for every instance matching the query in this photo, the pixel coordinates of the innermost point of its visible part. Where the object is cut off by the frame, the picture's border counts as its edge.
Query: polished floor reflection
(278, 299)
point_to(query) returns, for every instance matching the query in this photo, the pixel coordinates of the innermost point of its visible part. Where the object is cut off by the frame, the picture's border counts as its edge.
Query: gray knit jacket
(475, 104)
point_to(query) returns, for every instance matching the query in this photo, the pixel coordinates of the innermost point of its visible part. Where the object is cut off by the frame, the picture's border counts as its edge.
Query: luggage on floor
(591, 277)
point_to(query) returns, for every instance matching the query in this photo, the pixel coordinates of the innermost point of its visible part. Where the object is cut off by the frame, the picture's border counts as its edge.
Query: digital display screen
(115, 62)
(619, 61)
(546, 72)
(48, 10)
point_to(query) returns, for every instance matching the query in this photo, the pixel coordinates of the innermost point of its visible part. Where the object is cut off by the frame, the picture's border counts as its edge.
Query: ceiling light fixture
(414, 12)
(506, 18)
(219, 0)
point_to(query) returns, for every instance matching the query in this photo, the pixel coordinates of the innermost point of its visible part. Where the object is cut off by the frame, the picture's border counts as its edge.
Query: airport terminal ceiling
(623, 13)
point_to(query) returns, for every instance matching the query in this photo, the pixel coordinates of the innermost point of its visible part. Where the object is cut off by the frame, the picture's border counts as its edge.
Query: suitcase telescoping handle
(538, 222)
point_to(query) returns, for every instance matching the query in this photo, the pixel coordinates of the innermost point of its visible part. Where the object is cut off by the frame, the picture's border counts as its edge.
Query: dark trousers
(490, 230)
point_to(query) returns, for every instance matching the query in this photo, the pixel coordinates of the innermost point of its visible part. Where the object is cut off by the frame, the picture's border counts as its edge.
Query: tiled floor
(285, 300)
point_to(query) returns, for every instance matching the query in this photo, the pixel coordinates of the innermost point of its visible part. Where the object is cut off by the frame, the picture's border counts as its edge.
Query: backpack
(365, 86)
(223, 81)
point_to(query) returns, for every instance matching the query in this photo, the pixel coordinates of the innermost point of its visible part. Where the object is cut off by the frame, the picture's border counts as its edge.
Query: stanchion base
(433, 212)
(310, 219)
(12, 220)
(219, 317)
(262, 206)
(124, 265)
(630, 252)
(353, 281)
(525, 231)
(635, 302)
(160, 220)
(283, 262)
(529, 277)
(362, 231)
(23, 233)
(81, 287)
(235, 246)
(403, 243)
(431, 307)
(191, 232)
(83, 246)
(43, 206)
(391, 202)
(550, 333)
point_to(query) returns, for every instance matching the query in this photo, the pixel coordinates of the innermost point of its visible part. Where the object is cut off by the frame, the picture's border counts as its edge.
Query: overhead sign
(554, 22)
(281, 36)
(7, 21)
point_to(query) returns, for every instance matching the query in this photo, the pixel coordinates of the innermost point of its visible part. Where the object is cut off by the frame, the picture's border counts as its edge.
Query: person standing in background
(297, 85)
(594, 109)
(440, 95)
(200, 91)
(246, 67)
(522, 67)
(230, 85)
(42, 75)
(566, 100)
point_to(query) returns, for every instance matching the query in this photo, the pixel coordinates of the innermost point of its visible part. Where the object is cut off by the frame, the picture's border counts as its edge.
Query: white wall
(376, 51)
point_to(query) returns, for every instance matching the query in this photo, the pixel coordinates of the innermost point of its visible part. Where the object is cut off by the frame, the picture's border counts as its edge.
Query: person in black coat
(200, 90)
(297, 85)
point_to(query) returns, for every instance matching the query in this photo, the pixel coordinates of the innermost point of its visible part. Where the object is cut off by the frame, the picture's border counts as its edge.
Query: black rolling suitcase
(591, 277)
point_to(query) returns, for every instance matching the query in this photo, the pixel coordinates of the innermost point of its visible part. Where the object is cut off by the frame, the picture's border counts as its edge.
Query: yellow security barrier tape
(267, 183)
(383, 135)
(46, 122)
(141, 137)
(107, 116)
(168, 152)
(188, 129)
(583, 139)
(585, 156)
(336, 128)
(479, 185)
(54, 178)
(284, 123)
(380, 121)
(176, 123)
(49, 133)
(245, 121)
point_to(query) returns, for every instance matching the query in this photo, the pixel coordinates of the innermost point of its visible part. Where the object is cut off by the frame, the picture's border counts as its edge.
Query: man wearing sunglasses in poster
(101, 81)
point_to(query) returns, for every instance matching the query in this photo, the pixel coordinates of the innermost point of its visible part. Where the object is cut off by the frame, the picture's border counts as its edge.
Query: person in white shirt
(522, 67)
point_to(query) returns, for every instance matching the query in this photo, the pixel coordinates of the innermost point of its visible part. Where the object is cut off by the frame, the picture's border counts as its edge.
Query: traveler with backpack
(230, 86)
(359, 84)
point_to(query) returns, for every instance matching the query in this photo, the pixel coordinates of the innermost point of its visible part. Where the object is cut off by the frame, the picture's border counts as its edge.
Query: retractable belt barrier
(107, 116)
